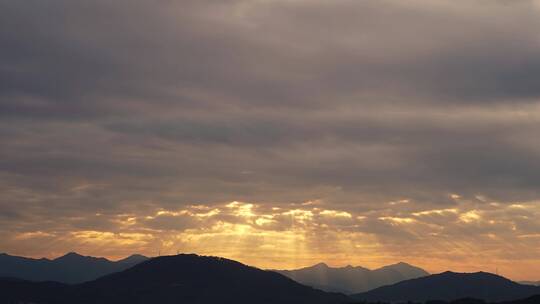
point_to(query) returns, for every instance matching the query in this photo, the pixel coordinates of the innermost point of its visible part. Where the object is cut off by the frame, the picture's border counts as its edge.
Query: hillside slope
(451, 286)
(178, 279)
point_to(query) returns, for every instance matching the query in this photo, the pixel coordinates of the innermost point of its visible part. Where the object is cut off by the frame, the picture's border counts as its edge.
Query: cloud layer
(410, 126)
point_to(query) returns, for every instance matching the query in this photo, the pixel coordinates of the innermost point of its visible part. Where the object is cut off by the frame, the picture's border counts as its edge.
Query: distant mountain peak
(403, 264)
(69, 255)
(399, 265)
(134, 258)
(320, 265)
(76, 257)
(136, 255)
(351, 279)
(71, 268)
(325, 266)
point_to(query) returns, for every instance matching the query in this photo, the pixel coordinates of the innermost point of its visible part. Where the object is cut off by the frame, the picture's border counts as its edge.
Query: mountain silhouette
(451, 286)
(185, 278)
(529, 300)
(133, 259)
(351, 279)
(71, 268)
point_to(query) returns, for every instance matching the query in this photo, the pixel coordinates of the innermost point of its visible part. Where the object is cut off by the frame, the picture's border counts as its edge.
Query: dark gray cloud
(130, 107)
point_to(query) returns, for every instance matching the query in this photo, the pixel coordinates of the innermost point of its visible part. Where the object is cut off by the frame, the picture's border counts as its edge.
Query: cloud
(126, 109)
(471, 236)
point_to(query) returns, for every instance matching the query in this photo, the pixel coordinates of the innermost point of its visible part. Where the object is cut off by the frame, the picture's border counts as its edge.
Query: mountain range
(71, 268)
(185, 278)
(451, 286)
(193, 279)
(351, 279)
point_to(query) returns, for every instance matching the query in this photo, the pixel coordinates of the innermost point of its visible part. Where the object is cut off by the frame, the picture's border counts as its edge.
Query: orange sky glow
(279, 133)
(464, 238)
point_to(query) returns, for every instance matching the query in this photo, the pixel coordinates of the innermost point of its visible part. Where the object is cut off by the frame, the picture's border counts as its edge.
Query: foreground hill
(71, 268)
(353, 279)
(450, 286)
(530, 300)
(175, 279)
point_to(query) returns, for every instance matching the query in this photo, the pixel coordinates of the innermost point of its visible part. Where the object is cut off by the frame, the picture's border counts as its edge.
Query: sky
(280, 133)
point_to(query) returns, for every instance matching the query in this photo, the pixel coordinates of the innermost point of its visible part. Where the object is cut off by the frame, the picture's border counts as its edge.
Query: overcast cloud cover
(277, 132)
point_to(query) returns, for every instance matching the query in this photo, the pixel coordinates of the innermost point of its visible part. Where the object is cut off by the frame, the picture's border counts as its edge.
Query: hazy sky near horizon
(280, 133)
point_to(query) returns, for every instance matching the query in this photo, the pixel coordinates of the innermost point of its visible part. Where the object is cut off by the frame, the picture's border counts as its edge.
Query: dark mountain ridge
(71, 268)
(351, 279)
(176, 279)
(451, 286)
(193, 279)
